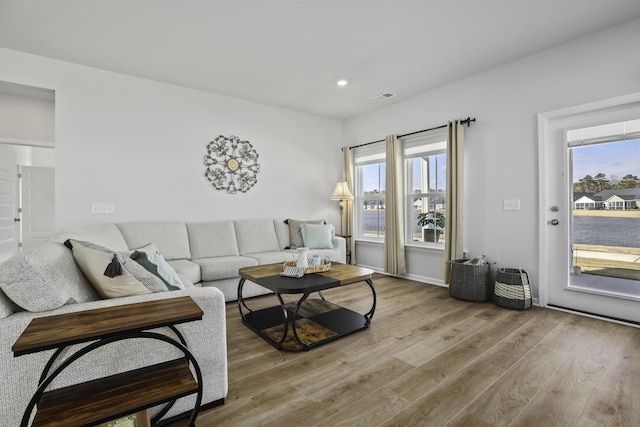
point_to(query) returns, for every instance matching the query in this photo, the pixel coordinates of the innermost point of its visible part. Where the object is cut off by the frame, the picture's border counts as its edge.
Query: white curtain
(454, 194)
(348, 176)
(394, 210)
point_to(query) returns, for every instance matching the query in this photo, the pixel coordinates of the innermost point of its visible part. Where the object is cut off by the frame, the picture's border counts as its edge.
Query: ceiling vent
(384, 96)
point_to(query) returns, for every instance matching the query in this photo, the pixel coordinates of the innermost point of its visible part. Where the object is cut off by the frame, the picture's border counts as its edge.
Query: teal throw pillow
(156, 264)
(316, 236)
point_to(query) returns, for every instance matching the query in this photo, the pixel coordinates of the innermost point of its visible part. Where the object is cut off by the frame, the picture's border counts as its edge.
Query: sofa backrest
(256, 235)
(171, 238)
(105, 235)
(212, 239)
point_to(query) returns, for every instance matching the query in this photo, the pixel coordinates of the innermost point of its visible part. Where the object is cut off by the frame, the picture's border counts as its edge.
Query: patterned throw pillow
(113, 275)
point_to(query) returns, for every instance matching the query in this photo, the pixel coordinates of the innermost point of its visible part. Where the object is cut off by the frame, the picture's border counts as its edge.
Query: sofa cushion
(170, 237)
(255, 236)
(114, 275)
(212, 239)
(187, 270)
(224, 267)
(316, 236)
(282, 230)
(274, 257)
(295, 232)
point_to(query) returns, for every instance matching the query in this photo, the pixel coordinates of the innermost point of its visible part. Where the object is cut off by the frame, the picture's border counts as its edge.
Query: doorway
(27, 133)
(27, 197)
(577, 273)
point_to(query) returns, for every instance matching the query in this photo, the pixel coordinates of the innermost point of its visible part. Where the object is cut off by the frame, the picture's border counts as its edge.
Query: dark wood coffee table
(306, 323)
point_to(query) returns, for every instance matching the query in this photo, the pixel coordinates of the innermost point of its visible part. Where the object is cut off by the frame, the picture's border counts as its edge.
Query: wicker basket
(512, 289)
(326, 266)
(470, 282)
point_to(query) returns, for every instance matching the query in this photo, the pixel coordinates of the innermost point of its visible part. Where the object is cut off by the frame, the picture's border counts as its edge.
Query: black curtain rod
(466, 121)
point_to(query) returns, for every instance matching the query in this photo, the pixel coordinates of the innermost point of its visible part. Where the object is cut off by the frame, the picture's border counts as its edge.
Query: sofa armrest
(341, 245)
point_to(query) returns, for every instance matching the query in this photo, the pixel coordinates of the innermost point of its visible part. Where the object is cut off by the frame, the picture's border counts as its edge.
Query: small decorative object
(139, 419)
(433, 223)
(290, 266)
(232, 164)
(303, 261)
(512, 289)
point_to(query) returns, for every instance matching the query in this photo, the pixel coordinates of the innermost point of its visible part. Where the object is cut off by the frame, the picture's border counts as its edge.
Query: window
(426, 179)
(369, 203)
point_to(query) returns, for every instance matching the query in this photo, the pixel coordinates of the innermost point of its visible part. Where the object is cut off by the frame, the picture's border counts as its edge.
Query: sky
(613, 159)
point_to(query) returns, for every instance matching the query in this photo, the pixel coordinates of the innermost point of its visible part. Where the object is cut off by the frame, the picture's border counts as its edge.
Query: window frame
(365, 156)
(424, 144)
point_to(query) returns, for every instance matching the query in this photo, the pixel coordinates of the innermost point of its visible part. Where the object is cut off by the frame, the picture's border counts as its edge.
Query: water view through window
(606, 214)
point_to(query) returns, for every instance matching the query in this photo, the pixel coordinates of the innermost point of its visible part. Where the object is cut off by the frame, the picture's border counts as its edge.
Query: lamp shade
(341, 192)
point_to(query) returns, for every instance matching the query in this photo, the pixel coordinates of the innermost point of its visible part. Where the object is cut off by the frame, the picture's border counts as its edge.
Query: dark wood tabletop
(339, 275)
(55, 331)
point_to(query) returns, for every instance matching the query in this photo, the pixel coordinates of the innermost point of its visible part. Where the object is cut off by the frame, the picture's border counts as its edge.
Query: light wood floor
(428, 359)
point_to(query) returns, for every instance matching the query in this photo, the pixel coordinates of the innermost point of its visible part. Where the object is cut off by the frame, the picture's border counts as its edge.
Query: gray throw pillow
(7, 307)
(295, 233)
(28, 288)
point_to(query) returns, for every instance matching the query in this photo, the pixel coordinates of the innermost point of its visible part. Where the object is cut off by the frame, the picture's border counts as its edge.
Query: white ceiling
(290, 53)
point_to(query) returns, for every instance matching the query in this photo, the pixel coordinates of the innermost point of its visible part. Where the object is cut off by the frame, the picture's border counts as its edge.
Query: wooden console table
(104, 399)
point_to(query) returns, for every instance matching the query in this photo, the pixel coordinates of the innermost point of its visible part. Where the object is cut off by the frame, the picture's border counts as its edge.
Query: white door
(559, 285)
(8, 206)
(37, 188)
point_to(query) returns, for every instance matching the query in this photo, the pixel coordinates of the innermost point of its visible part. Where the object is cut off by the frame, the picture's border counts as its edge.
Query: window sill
(433, 247)
(371, 241)
(429, 247)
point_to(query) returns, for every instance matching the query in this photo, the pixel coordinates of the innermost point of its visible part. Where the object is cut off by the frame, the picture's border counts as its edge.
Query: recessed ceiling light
(342, 82)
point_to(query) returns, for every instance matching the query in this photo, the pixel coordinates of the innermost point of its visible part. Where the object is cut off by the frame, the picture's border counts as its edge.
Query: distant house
(586, 201)
(619, 199)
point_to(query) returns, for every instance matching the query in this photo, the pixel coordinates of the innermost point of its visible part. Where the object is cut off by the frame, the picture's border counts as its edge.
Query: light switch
(102, 208)
(511, 204)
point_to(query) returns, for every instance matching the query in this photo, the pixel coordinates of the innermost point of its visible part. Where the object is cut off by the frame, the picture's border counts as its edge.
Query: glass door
(589, 246)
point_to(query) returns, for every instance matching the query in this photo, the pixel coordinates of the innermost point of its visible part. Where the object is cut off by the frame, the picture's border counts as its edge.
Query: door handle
(16, 219)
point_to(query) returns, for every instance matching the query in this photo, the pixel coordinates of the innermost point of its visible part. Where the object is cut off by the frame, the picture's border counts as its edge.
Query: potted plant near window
(433, 224)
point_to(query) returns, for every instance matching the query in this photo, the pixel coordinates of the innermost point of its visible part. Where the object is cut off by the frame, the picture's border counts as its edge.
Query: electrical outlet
(511, 204)
(102, 208)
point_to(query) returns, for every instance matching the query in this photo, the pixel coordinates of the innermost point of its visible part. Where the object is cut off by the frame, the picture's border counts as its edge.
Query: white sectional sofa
(206, 257)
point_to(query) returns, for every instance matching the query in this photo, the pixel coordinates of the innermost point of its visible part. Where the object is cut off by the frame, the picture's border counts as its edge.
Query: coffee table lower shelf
(317, 322)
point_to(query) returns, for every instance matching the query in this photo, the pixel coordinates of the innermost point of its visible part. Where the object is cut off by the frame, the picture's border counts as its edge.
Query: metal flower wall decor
(232, 164)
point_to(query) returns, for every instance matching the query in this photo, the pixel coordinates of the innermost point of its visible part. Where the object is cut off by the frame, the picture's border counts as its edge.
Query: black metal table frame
(291, 319)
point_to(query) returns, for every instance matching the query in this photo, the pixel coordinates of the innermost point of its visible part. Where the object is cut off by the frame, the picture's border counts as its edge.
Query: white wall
(501, 147)
(140, 145)
(26, 118)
